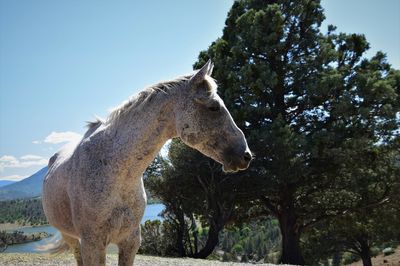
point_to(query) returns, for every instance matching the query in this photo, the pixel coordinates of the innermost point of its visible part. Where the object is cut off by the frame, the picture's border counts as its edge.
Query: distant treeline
(22, 211)
(30, 211)
(256, 241)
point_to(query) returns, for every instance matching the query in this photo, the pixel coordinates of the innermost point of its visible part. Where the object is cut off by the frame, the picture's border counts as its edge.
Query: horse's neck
(138, 139)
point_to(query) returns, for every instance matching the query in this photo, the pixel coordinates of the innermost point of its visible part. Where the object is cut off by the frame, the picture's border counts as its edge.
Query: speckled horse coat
(93, 192)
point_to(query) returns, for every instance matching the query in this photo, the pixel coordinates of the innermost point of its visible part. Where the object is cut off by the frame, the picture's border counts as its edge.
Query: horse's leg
(128, 248)
(74, 244)
(93, 249)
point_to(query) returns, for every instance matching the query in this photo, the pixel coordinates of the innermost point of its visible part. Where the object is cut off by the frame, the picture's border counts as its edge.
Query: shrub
(158, 238)
(349, 258)
(237, 249)
(227, 257)
(388, 251)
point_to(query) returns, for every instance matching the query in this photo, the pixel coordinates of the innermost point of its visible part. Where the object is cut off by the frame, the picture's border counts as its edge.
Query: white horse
(94, 194)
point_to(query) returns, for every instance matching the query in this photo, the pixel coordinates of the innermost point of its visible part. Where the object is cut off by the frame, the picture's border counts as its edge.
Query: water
(151, 213)
(31, 246)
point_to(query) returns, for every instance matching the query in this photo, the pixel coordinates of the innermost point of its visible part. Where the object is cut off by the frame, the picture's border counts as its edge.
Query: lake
(151, 213)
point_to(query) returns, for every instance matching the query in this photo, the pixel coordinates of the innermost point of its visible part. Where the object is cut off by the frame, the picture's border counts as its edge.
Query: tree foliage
(369, 226)
(313, 108)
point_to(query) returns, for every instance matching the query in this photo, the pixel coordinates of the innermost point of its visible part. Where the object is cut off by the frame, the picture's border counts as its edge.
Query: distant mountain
(26, 188)
(6, 182)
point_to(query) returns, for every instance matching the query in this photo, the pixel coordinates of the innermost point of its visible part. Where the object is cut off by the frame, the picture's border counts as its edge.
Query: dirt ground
(391, 260)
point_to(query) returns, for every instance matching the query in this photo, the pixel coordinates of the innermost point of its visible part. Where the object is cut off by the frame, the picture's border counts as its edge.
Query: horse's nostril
(247, 156)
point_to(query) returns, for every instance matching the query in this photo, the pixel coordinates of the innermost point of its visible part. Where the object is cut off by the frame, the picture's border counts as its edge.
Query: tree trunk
(337, 257)
(291, 252)
(365, 253)
(212, 242)
(180, 235)
(366, 260)
(221, 208)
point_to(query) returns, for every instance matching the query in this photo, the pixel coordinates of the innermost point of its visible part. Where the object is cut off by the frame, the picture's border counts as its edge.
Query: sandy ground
(10, 226)
(22, 259)
(391, 260)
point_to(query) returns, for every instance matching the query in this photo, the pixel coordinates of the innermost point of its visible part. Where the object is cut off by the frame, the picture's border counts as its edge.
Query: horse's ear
(201, 74)
(210, 70)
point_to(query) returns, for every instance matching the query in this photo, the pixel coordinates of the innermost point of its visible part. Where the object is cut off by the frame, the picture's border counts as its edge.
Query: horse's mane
(136, 100)
(92, 126)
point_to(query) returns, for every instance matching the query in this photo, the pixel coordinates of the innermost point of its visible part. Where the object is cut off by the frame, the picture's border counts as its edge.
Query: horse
(93, 192)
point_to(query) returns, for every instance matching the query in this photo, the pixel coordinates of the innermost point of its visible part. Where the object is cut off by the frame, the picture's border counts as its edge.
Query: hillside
(22, 211)
(11, 259)
(31, 187)
(6, 182)
(26, 188)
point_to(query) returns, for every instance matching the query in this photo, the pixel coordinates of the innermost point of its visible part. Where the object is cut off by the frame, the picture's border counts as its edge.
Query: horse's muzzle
(234, 163)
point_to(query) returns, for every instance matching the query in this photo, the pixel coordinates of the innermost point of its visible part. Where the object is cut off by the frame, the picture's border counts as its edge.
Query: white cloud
(9, 161)
(12, 177)
(61, 137)
(28, 160)
(31, 157)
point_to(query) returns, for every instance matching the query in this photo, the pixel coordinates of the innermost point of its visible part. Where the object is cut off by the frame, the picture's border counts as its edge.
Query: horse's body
(93, 192)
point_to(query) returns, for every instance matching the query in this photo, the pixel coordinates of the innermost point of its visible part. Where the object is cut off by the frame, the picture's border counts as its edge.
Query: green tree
(357, 232)
(195, 191)
(305, 100)
(369, 225)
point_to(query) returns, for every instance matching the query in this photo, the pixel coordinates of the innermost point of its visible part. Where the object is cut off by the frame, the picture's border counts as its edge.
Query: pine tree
(305, 100)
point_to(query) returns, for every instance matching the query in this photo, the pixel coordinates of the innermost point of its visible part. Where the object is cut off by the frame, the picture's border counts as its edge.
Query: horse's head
(204, 123)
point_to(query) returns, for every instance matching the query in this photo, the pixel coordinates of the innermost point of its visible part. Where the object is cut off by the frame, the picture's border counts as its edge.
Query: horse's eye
(214, 108)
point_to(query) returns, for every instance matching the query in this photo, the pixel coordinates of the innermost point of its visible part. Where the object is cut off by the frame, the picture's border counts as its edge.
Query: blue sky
(62, 62)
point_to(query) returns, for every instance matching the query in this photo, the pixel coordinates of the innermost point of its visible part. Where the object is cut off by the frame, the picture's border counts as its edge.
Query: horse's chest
(124, 220)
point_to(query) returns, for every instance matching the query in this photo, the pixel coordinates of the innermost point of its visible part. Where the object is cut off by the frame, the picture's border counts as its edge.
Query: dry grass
(24, 259)
(10, 226)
